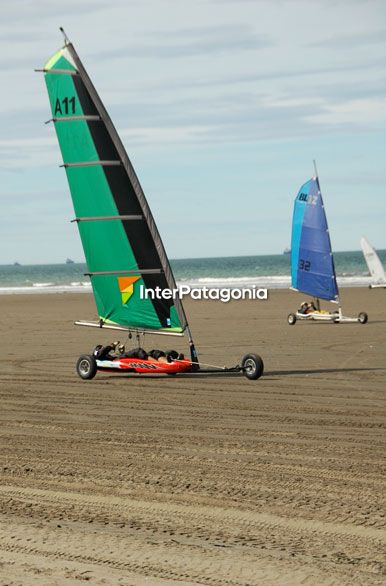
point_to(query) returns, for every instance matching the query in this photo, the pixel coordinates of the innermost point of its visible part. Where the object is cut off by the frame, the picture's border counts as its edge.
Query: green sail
(121, 242)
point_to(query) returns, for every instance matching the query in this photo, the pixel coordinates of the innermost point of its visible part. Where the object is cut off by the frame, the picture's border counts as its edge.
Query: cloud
(249, 119)
(360, 112)
(27, 143)
(21, 153)
(24, 14)
(167, 134)
(190, 42)
(357, 39)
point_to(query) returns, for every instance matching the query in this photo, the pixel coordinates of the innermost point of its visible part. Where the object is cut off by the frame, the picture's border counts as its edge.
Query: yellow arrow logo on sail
(126, 287)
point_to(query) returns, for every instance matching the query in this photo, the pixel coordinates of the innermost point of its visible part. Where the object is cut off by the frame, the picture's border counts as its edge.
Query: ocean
(271, 271)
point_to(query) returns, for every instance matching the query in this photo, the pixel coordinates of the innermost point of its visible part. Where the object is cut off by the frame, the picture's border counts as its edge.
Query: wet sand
(195, 480)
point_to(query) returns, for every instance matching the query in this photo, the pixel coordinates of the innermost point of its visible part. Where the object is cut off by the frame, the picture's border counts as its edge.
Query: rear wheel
(86, 367)
(363, 317)
(252, 366)
(291, 319)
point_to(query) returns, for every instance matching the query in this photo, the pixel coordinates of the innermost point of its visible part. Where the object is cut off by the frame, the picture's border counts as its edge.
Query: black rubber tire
(291, 319)
(363, 317)
(86, 367)
(253, 366)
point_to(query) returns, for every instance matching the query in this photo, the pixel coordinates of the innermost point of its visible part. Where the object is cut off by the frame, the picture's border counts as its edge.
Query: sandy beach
(194, 480)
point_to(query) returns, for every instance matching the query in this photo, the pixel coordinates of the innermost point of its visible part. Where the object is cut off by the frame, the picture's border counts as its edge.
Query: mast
(317, 300)
(66, 39)
(133, 178)
(329, 239)
(316, 170)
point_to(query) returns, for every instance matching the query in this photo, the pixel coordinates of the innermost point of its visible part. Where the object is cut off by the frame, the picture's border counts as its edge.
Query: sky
(222, 106)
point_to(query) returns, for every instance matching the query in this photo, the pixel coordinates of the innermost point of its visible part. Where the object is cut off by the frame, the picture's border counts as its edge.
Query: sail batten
(74, 118)
(126, 272)
(125, 253)
(312, 262)
(107, 218)
(92, 164)
(58, 71)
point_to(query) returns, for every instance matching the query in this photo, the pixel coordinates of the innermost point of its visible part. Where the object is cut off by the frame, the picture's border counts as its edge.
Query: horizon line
(173, 259)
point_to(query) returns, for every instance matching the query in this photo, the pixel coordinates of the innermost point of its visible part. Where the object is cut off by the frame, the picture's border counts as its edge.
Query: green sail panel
(120, 240)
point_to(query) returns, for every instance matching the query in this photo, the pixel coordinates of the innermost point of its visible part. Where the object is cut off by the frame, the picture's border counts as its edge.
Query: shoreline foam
(267, 281)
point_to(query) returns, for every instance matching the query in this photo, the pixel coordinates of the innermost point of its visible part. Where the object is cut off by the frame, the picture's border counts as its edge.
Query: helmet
(97, 350)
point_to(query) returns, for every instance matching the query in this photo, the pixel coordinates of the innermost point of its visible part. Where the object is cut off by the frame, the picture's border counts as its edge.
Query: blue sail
(312, 263)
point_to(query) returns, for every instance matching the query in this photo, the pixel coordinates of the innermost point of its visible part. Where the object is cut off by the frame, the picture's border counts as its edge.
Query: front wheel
(252, 366)
(363, 317)
(291, 319)
(86, 367)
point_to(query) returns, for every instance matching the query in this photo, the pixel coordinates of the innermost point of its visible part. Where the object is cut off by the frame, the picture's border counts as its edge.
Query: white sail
(374, 264)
